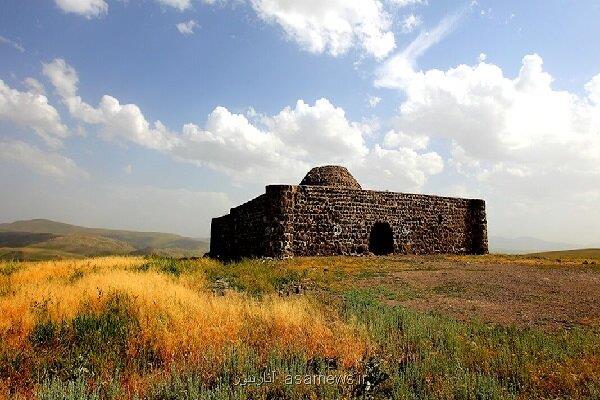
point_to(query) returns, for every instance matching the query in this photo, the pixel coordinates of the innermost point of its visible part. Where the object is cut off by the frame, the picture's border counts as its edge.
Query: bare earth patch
(528, 292)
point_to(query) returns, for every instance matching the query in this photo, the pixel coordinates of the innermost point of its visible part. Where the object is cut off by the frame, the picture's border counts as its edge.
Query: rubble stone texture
(329, 214)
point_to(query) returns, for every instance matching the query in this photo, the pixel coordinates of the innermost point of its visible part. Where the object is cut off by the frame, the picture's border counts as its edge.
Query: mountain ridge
(25, 239)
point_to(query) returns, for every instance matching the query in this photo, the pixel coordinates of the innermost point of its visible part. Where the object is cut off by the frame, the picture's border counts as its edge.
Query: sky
(162, 114)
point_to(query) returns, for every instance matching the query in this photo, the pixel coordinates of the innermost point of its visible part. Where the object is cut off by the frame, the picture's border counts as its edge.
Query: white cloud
(533, 152)
(493, 117)
(44, 163)
(229, 143)
(404, 3)
(593, 89)
(187, 28)
(180, 5)
(119, 122)
(332, 26)
(398, 169)
(280, 147)
(86, 8)
(31, 110)
(411, 22)
(62, 76)
(12, 43)
(374, 101)
(286, 144)
(126, 122)
(397, 69)
(97, 8)
(395, 140)
(298, 138)
(525, 145)
(65, 80)
(34, 86)
(320, 132)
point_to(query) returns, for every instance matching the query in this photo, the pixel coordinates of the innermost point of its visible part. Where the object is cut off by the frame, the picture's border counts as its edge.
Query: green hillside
(34, 254)
(21, 239)
(86, 245)
(37, 238)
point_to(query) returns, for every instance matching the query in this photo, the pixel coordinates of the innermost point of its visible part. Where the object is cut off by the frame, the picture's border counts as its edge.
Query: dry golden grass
(178, 317)
(155, 329)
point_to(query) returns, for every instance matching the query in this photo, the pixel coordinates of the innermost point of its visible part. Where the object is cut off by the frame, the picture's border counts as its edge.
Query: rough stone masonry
(330, 214)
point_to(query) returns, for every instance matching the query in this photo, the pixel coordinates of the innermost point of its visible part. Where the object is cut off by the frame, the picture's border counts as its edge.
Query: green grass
(414, 355)
(429, 356)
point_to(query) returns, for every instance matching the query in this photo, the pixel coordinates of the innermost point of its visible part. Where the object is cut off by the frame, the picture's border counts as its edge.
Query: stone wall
(241, 233)
(291, 220)
(328, 221)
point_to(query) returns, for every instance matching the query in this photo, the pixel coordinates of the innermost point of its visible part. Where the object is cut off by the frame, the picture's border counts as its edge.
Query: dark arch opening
(381, 240)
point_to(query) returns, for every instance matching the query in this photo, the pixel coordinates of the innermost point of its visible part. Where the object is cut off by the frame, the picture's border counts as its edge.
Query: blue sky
(494, 99)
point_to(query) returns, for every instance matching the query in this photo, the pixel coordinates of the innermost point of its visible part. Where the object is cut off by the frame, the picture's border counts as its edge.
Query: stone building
(329, 213)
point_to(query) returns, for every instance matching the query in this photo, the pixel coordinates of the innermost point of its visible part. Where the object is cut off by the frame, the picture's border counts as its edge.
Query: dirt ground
(550, 294)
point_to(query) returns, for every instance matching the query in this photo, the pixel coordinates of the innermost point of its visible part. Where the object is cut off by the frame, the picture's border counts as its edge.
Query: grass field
(579, 253)
(434, 327)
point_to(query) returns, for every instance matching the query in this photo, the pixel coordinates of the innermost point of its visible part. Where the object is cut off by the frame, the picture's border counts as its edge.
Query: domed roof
(330, 175)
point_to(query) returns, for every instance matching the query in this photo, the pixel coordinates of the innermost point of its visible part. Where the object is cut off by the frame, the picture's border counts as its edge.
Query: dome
(330, 175)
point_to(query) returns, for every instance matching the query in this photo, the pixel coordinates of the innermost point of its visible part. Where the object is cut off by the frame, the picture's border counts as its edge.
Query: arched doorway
(381, 239)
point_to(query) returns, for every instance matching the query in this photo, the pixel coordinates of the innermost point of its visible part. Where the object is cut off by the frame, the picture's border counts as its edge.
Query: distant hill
(580, 253)
(38, 238)
(525, 244)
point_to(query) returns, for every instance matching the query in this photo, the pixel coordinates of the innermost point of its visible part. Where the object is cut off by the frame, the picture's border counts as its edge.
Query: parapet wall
(291, 220)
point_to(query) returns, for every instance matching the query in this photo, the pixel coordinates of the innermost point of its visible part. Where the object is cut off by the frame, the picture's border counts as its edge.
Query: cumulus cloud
(525, 145)
(87, 8)
(411, 22)
(187, 28)
(394, 140)
(332, 26)
(34, 86)
(531, 150)
(398, 169)
(118, 122)
(231, 144)
(279, 147)
(44, 163)
(31, 110)
(329, 134)
(497, 118)
(287, 144)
